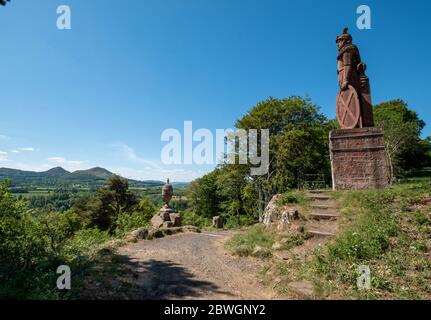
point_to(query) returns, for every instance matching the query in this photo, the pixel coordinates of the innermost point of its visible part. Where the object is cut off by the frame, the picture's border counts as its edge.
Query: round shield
(348, 108)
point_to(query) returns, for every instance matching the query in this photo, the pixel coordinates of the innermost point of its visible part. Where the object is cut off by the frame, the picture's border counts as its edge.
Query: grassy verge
(262, 242)
(388, 231)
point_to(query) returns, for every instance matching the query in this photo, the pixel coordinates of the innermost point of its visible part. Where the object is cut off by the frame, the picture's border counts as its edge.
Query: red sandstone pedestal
(358, 159)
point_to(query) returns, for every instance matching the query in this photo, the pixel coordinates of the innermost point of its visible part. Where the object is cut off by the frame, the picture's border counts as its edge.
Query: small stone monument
(357, 150)
(166, 217)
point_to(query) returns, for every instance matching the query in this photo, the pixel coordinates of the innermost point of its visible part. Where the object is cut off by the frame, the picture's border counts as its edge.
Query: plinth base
(358, 159)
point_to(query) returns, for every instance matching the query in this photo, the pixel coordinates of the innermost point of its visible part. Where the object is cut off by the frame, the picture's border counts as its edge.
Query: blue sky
(102, 93)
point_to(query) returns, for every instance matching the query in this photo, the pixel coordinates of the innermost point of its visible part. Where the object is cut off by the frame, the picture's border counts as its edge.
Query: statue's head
(343, 39)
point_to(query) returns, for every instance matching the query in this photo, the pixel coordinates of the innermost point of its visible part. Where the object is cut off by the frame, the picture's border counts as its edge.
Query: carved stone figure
(357, 150)
(166, 217)
(167, 192)
(354, 108)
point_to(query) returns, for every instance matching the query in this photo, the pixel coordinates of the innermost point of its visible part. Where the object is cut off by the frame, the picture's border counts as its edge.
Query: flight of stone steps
(322, 219)
(321, 225)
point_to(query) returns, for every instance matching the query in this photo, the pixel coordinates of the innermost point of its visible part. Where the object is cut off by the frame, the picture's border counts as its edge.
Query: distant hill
(93, 177)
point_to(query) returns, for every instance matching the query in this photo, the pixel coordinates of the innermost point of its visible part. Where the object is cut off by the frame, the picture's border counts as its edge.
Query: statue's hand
(344, 86)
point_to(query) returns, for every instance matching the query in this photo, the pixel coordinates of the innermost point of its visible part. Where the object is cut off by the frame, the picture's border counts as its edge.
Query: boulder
(304, 289)
(217, 222)
(140, 234)
(168, 224)
(271, 211)
(293, 214)
(175, 218)
(157, 221)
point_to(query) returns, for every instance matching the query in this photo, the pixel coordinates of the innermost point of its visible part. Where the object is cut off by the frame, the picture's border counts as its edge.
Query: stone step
(317, 191)
(323, 227)
(324, 216)
(319, 196)
(322, 207)
(320, 233)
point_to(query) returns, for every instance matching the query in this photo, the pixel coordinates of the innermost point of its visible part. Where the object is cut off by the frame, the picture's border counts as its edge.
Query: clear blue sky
(102, 93)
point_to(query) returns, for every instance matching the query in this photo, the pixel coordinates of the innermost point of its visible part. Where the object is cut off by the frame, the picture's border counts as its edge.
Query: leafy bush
(292, 197)
(234, 221)
(193, 219)
(130, 221)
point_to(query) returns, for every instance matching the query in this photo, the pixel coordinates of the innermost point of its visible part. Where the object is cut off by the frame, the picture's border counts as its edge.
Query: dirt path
(187, 266)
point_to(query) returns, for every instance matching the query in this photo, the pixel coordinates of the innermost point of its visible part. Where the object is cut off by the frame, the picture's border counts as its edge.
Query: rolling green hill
(60, 177)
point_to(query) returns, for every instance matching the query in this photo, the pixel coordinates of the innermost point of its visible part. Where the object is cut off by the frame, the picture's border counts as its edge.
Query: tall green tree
(298, 135)
(298, 142)
(202, 195)
(403, 146)
(102, 209)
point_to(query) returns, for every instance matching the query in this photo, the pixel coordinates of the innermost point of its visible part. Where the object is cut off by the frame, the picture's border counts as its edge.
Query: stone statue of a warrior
(354, 108)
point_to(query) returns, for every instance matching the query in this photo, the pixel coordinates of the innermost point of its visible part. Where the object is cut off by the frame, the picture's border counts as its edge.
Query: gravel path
(188, 266)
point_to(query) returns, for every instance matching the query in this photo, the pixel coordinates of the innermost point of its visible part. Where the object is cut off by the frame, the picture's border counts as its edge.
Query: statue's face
(340, 43)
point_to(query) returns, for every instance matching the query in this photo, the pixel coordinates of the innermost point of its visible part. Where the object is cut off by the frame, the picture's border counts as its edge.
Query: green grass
(244, 244)
(389, 231)
(293, 197)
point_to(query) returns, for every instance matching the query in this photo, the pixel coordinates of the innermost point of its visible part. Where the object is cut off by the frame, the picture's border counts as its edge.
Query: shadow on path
(156, 279)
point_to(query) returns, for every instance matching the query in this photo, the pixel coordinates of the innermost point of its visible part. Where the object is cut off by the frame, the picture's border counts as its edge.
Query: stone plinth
(358, 159)
(166, 217)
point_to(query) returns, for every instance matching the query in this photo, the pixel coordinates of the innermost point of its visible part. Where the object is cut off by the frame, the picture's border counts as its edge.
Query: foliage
(103, 209)
(202, 195)
(21, 238)
(192, 218)
(61, 199)
(244, 244)
(292, 197)
(129, 221)
(403, 146)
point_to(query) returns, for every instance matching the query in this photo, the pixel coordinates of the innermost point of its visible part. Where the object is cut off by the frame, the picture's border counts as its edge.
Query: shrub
(292, 197)
(193, 219)
(130, 221)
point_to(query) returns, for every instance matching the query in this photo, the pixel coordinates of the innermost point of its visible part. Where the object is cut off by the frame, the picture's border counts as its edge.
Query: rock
(283, 221)
(175, 218)
(293, 214)
(271, 211)
(217, 222)
(164, 215)
(304, 289)
(157, 233)
(157, 221)
(168, 224)
(140, 234)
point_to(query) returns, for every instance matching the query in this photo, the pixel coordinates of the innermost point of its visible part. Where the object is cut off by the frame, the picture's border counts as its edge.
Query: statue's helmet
(345, 36)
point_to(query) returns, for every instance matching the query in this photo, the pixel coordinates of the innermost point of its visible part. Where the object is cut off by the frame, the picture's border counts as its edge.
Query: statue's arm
(347, 62)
